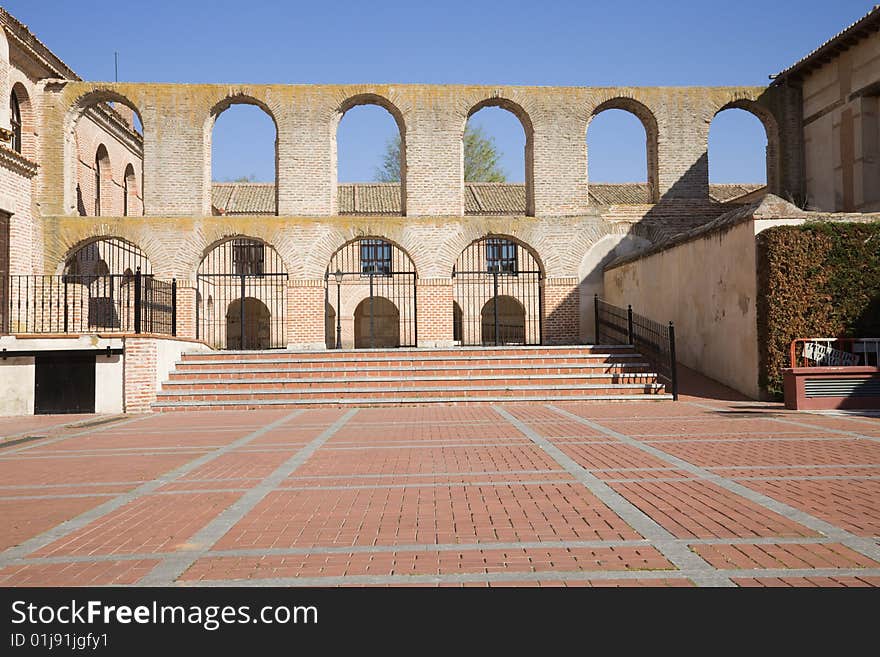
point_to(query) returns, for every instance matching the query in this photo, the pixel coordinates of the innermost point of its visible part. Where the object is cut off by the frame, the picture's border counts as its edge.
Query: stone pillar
(139, 380)
(434, 305)
(306, 314)
(682, 152)
(434, 176)
(186, 310)
(174, 156)
(306, 172)
(559, 166)
(561, 311)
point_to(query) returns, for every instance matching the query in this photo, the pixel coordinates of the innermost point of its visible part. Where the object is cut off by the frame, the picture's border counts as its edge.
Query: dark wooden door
(64, 384)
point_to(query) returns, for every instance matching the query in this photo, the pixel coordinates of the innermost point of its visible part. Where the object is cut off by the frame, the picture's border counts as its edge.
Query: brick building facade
(131, 162)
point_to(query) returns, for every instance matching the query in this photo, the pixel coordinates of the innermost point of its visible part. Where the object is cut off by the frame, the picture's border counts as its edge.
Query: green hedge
(815, 280)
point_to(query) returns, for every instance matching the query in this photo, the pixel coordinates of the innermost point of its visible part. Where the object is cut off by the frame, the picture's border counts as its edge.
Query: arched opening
(457, 323)
(503, 321)
(370, 148)
(742, 151)
(377, 272)
(248, 324)
(97, 290)
(131, 202)
(242, 143)
(15, 121)
(103, 119)
(244, 276)
(497, 159)
(591, 279)
(22, 122)
(622, 147)
(376, 324)
(487, 270)
(103, 180)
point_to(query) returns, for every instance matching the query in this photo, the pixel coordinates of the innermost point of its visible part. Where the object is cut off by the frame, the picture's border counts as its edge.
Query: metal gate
(241, 297)
(371, 289)
(497, 294)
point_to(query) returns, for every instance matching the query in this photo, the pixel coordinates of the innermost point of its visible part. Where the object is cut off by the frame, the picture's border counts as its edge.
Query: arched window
(103, 180)
(98, 183)
(129, 193)
(15, 113)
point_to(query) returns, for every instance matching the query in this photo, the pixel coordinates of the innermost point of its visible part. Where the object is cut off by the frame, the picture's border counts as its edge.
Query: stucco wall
(841, 108)
(707, 287)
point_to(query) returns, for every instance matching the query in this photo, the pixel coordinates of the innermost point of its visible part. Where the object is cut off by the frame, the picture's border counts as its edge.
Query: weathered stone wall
(178, 121)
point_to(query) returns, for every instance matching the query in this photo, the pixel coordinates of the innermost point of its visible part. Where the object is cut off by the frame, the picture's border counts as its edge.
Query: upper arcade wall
(178, 120)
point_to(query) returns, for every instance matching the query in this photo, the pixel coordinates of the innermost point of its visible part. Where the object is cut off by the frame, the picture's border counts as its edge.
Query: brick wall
(139, 379)
(561, 311)
(178, 120)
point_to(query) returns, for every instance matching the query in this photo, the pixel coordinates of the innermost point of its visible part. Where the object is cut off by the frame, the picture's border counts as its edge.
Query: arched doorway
(245, 276)
(376, 324)
(457, 323)
(254, 317)
(503, 321)
(370, 270)
(502, 277)
(107, 285)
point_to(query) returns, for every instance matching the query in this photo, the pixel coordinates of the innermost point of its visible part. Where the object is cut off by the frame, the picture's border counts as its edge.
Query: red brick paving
(392, 478)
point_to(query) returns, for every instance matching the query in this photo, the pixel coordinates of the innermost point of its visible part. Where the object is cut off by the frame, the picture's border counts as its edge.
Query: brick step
(386, 392)
(294, 385)
(414, 361)
(512, 371)
(369, 354)
(250, 405)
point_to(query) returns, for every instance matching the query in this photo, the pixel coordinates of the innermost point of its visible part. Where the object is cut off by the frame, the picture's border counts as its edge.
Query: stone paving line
(51, 441)
(441, 484)
(542, 576)
(428, 547)
(689, 563)
(168, 570)
(74, 524)
(863, 546)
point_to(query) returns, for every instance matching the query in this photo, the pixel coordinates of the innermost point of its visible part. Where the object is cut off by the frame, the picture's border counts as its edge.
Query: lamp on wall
(338, 276)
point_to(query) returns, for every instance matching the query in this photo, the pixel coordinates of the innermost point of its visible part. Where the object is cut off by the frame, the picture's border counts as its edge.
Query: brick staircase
(279, 379)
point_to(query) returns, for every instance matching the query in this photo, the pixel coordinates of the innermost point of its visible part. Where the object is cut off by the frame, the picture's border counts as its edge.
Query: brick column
(434, 296)
(305, 314)
(561, 311)
(186, 310)
(139, 380)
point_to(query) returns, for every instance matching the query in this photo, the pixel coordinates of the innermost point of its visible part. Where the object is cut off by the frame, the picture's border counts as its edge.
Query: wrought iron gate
(241, 298)
(497, 294)
(371, 287)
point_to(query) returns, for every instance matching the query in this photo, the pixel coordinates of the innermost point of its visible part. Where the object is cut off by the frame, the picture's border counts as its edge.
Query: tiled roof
(243, 198)
(620, 193)
(866, 25)
(495, 198)
(730, 192)
(480, 198)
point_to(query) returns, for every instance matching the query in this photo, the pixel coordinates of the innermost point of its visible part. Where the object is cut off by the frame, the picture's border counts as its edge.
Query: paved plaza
(705, 491)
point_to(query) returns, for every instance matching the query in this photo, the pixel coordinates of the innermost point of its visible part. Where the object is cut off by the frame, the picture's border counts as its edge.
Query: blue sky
(512, 42)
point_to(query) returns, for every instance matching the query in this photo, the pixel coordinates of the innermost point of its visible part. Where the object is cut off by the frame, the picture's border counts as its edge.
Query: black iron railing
(653, 340)
(110, 303)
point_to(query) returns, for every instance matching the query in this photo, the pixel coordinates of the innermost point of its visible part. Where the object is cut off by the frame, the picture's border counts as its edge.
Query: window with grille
(248, 257)
(15, 111)
(501, 256)
(375, 257)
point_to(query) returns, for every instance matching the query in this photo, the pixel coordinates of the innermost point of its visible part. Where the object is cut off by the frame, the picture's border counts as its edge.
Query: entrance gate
(497, 294)
(374, 283)
(241, 298)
